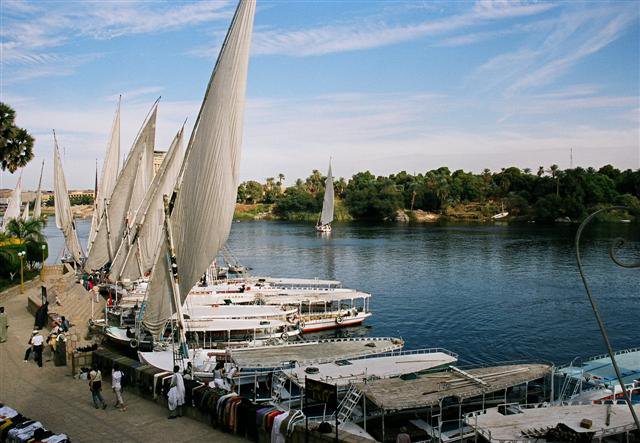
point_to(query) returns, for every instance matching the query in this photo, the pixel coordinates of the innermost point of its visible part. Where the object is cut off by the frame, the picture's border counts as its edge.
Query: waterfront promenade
(63, 404)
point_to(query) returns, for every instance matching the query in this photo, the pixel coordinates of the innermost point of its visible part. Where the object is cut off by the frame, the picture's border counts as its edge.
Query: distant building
(158, 157)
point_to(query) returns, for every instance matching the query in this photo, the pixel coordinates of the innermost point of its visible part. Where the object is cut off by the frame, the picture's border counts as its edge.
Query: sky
(383, 86)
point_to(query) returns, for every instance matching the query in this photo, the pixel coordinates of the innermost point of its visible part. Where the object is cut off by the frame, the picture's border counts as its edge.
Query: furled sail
(64, 217)
(208, 180)
(327, 204)
(25, 212)
(135, 260)
(110, 169)
(113, 223)
(15, 202)
(37, 208)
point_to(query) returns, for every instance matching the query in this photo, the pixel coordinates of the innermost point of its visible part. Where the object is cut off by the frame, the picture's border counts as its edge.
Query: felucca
(64, 217)
(326, 216)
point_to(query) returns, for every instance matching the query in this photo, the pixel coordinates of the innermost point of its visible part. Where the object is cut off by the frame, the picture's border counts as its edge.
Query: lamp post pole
(42, 265)
(21, 254)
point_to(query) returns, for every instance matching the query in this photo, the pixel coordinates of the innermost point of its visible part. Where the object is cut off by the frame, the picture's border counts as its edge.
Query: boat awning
(298, 297)
(396, 394)
(319, 351)
(599, 370)
(231, 325)
(343, 372)
(236, 311)
(529, 421)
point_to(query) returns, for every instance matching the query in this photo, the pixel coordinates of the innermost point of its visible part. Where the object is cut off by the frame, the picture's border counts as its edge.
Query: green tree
(253, 192)
(29, 230)
(16, 144)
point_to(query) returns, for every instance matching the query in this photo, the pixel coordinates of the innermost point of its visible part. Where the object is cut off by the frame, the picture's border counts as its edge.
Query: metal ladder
(348, 403)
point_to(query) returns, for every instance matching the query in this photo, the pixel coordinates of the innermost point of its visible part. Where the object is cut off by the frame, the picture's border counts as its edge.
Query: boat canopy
(343, 372)
(235, 311)
(229, 325)
(301, 297)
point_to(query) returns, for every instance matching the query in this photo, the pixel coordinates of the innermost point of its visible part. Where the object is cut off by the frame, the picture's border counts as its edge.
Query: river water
(487, 292)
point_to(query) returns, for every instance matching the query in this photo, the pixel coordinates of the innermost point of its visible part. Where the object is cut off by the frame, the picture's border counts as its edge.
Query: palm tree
(16, 145)
(554, 171)
(280, 179)
(540, 171)
(527, 170)
(29, 230)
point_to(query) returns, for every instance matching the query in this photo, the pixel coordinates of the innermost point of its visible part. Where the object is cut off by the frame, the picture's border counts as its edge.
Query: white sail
(145, 168)
(110, 169)
(37, 208)
(14, 205)
(25, 212)
(327, 204)
(208, 181)
(64, 217)
(135, 260)
(113, 223)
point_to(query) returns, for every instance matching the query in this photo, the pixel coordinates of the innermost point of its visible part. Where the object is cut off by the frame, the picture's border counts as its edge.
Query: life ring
(339, 319)
(133, 343)
(301, 324)
(284, 336)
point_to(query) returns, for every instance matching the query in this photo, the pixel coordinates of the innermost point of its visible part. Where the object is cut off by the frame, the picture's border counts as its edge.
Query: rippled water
(488, 292)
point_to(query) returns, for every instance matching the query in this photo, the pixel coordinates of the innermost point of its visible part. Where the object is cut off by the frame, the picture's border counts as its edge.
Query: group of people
(37, 340)
(95, 386)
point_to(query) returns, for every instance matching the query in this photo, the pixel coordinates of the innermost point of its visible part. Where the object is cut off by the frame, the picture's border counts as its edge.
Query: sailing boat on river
(64, 217)
(326, 216)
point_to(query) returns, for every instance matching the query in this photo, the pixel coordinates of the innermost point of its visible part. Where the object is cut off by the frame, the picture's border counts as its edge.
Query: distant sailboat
(37, 208)
(25, 212)
(326, 216)
(501, 214)
(14, 205)
(64, 217)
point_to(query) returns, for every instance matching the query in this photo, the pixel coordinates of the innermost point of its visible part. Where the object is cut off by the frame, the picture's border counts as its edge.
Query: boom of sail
(205, 194)
(327, 204)
(64, 217)
(136, 259)
(114, 221)
(15, 202)
(110, 169)
(37, 208)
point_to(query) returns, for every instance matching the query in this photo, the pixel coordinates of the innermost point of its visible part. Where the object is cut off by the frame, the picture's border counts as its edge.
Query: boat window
(343, 362)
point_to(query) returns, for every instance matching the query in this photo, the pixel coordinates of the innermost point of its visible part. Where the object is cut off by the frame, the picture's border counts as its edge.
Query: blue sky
(378, 85)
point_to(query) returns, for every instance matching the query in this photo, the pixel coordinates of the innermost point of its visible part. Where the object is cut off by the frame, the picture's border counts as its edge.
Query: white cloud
(372, 32)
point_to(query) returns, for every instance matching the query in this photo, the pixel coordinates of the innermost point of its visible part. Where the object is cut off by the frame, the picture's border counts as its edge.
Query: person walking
(4, 325)
(116, 384)
(95, 385)
(177, 382)
(37, 341)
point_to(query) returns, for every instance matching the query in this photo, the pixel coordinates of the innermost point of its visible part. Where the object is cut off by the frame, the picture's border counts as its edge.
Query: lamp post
(44, 248)
(21, 255)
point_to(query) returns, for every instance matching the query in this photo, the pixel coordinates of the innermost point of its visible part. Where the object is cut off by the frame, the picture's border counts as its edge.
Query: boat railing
(506, 363)
(400, 352)
(601, 356)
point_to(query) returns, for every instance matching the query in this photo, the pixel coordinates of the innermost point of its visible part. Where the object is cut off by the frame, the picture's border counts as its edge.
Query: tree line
(546, 195)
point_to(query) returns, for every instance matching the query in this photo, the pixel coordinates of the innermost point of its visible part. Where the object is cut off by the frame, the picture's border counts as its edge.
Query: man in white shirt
(37, 341)
(178, 382)
(116, 384)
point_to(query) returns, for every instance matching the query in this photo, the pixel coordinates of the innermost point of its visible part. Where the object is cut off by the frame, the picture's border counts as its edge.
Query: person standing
(4, 325)
(178, 382)
(95, 385)
(37, 341)
(116, 384)
(64, 324)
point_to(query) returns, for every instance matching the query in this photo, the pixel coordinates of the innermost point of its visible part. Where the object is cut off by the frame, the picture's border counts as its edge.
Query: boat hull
(326, 324)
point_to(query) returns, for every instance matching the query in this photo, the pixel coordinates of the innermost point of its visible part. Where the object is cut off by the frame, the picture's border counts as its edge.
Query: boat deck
(395, 394)
(320, 351)
(343, 372)
(600, 369)
(498, 427)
